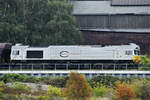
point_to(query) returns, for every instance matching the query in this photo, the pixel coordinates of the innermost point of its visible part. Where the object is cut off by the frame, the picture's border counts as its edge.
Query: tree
(38, 22)
(124, 92)
(77, 87)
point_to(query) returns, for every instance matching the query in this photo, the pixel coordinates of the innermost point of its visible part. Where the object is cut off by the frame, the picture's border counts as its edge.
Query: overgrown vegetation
(100, 90)
(22, 87)
(76, 86)
(145, 61)
(53, 93)
(57, 81)
(141, 89)
(18, 78)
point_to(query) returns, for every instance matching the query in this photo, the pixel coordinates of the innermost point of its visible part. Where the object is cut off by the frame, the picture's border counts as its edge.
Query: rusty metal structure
(5, 49)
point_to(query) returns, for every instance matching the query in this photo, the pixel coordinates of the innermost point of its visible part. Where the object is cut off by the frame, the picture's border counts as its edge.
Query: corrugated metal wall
(130, 2)
(113, 21)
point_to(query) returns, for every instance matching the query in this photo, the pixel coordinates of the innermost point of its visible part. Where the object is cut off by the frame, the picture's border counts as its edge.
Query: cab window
(15, 52)
(35, 54)
(136, 52)
(129, 52)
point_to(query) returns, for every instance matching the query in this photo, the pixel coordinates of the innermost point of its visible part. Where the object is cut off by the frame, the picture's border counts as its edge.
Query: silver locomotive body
(78, 53)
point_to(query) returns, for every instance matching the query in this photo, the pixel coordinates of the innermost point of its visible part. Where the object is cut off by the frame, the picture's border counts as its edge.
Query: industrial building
(110, 22)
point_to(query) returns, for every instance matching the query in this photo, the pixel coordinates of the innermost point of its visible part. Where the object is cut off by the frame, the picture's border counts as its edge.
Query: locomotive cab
(17, 52)
(137, 51)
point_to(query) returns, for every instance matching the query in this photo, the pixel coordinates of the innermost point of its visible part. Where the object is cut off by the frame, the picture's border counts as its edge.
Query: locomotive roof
(131, 45)
(137, 31)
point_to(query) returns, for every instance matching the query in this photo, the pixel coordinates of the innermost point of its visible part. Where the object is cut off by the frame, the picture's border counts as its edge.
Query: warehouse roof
(104, 7)
(119, 30)
(130, 2)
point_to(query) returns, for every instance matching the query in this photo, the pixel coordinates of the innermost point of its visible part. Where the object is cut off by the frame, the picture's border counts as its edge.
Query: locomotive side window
(129, 52)
(15, 52)
(34, 54)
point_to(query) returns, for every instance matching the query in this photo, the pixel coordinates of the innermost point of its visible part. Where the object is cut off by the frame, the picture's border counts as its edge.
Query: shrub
(56, 81)
(105, 80)
(52, 94)
(111, 94)
(145, 63)
(142, 89)
(18, 78)
(100, 91)
(2, 87)
(21, 87)
(77, 87)
(145, 68)
(31, 79)
(124, 92)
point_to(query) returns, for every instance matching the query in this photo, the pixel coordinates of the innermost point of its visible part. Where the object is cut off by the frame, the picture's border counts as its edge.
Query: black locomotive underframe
(73, 61)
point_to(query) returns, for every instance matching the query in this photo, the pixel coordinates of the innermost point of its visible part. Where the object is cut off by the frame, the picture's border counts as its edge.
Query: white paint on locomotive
(75, 52)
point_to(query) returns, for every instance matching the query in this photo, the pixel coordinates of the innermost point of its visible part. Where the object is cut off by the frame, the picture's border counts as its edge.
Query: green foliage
(100, 90)
(145, 63)
(22, 87)
(105, 80)
(56, 81)
(2, 86)
(145, 60)
(111, 93)
(77, 87)
(18, 78)
(145, 68)
(141, 89)
(38, 22)
(52, 94)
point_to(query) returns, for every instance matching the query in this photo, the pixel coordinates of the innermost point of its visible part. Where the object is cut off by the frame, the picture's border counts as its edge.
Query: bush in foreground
(77, 88)
(141, 89)
(18, 78)
(53, 93)
(100, 90)
(22, 87)
(124, 92)
(55, 81)
(145, 61)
